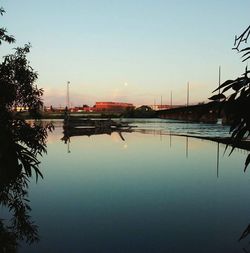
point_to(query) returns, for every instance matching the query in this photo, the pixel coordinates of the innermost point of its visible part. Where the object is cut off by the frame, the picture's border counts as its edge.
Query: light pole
(68, 82)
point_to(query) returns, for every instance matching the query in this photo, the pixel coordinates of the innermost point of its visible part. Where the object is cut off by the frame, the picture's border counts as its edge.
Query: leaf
(246, 58)
(245, 49)
(236, 123)
(247, 162)
(240, 133)
(228, 87)
(237, 86)
(217, 97)
(245, 54)
(238, 81)
(226, 83)
(245, 233)
(232, 97)
(232, 149)
(243, 92)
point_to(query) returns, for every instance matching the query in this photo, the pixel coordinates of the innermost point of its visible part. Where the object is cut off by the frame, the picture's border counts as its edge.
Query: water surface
(150, 193)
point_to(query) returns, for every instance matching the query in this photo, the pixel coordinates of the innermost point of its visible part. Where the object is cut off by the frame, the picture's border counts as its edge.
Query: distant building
(112, 106)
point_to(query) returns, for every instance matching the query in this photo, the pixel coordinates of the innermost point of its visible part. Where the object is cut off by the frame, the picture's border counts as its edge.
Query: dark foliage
(14, 196)
(237, 104)
(237, 43)
(17, 82)
(3, 32)
(20, 144)
(17, 89)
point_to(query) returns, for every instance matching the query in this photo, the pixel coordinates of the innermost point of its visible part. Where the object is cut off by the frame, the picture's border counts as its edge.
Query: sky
(136, 51)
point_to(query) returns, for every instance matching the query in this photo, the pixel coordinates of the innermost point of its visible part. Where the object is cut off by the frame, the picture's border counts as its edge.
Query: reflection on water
(14, 197)
(150, 192)
(181, 128)
(20, 144)
(17, 224)
(218, 158)
(100, 131)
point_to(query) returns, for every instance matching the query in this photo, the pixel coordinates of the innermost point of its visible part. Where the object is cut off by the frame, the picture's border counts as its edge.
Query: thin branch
(242, 38)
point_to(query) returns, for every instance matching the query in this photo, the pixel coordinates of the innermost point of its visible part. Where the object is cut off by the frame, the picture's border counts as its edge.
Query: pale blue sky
(131, 51)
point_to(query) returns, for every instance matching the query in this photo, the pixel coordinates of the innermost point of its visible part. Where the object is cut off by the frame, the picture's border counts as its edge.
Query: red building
(112, 106)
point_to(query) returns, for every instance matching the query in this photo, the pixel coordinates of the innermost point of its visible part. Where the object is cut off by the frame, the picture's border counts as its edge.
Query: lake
(151, 192)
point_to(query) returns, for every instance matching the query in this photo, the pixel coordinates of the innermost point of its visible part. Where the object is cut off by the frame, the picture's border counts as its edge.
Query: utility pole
(188, 94)
(161, 102)
(68, 82)
(171, 99)
(219, 77)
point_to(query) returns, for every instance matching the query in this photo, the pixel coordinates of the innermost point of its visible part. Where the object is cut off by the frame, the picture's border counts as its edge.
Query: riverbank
(61, 115)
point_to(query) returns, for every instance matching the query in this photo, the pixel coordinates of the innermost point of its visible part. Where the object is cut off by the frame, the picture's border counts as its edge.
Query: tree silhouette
(17, 88)
(20, 143)
(237, 104)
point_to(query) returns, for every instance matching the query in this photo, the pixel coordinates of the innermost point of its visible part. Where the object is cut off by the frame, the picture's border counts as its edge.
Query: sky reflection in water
(149, 193)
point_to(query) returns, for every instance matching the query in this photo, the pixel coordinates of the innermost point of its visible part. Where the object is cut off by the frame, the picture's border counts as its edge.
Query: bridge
(207, 113)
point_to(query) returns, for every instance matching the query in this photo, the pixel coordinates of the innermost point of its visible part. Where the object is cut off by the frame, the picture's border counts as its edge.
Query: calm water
(150, 193)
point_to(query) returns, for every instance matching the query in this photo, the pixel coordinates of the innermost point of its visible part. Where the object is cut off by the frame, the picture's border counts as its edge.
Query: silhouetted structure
(81, 126)
(208, 113)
